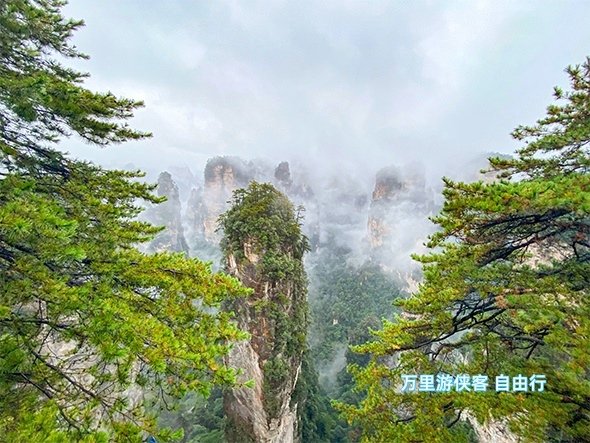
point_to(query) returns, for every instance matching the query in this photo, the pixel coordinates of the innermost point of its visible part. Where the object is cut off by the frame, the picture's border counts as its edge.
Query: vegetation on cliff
(505, 291)
(85, 318)
(262, 233)
(201, 419)
(346, 301)
(344, 297)
(319, 421)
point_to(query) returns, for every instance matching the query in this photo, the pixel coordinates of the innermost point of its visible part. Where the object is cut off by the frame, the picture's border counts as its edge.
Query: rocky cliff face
(223, 175)
(167, 214)
(301, 193)
(494, 431)
(397, 223)
(395, 192)
(264, 249)
(283, 176)
(263, 414)
(195, 213)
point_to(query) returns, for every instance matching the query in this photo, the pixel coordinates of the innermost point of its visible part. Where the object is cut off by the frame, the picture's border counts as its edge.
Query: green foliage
(263, 224)
(41, 100)
(201, 419)
(345, 302)
(505, 291)
(277, 370)
(86, 320)
(262, 234)
(319, 421)
(264, 220)
(345, 388)
(343, 297)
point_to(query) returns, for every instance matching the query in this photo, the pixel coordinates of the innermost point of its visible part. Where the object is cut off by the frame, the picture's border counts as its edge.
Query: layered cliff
(397, 194)
(263, 246)
(223, 175)
(168, 215)
(397, 222)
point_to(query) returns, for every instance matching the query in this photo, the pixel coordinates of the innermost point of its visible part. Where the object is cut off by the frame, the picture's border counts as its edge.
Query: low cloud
(345, 84)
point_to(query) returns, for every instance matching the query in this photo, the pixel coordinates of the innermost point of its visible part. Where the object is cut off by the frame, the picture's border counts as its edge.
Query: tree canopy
(87, 322)
(505, 291)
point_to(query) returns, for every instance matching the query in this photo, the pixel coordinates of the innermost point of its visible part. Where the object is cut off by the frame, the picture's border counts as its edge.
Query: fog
(338, 84)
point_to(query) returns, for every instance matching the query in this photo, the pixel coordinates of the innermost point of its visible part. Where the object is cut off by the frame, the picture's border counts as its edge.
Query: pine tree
(86, 321)
(505, 291)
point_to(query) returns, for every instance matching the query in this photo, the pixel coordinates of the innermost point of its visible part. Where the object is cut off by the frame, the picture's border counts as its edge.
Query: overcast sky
(344, 83)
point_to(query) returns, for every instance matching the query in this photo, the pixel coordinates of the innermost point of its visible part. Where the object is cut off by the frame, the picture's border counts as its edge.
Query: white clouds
(377, 81)
(458, 39)
(206, 125)
(182, 48)
(183, 124)
(449, 46)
